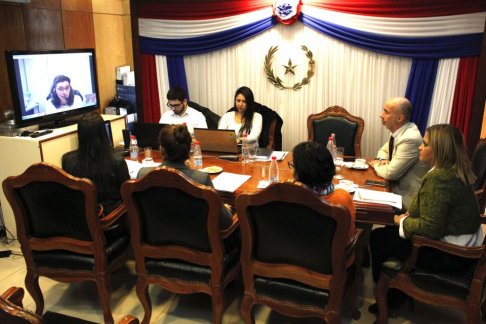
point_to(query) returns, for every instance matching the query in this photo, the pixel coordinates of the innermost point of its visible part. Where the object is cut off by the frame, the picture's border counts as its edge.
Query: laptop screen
(147, 134)
(216, 140)
(108, 132)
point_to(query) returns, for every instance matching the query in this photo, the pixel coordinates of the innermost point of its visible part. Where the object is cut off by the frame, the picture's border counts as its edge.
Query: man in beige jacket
(399, 157)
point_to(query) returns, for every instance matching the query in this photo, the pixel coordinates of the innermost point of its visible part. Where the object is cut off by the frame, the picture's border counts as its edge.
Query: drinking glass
(149, 158)
(338, 162)
(253, 152)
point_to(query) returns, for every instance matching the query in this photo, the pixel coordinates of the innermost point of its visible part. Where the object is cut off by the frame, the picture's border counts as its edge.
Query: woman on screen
(62, 96)
(242, 118)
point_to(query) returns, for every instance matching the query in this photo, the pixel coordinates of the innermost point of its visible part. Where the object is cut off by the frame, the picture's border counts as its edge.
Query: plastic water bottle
(334, 146)
(329, 147)
(198, 165)
(245, 149)
(133, 148)
(273, 174)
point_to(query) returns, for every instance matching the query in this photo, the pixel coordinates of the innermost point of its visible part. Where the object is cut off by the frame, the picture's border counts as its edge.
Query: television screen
(49, 86)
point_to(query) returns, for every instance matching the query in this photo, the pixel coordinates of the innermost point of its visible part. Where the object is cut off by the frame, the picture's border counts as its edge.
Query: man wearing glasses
(180, 112)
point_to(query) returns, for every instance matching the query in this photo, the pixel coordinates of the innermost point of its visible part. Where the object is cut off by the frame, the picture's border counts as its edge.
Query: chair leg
(356, 314)
(32, 285)
(381, 291)
(473, 315)
(246, 306)
(217, 296)
(483, 310)
(144, 297)
(104, 290)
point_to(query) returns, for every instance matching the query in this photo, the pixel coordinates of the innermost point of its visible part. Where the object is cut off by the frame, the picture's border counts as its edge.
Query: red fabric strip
(182, 10)
(464, 92)
(151, 103)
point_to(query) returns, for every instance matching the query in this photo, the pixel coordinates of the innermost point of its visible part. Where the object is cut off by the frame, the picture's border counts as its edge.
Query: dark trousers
(386, 242)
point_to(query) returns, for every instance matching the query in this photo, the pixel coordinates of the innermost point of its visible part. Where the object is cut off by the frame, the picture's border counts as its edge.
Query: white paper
(229, 182)
(378, 197)
(279, 154)
(134, 167)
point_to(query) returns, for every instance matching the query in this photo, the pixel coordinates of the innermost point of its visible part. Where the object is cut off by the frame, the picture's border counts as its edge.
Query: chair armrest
(113, 216)
(227, 232)
(418, 241)
(482, 218)
(129, 320)
(355, 239)
(14, 295)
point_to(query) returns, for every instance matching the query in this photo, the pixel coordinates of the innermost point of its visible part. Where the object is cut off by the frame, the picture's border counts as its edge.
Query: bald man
(399, 157)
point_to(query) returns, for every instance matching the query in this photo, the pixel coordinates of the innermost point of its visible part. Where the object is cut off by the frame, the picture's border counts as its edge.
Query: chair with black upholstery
(459, 289)
(12, 312)
(212, 119)
(337, 120)
(294, 251)
(60, 234)
(176, 238)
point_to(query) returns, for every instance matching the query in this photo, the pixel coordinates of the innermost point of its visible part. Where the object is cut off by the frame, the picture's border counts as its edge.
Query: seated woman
(94, 159)
(244, 120)
(175, 144)
(445, 208)
(314, 167)
(62, 96)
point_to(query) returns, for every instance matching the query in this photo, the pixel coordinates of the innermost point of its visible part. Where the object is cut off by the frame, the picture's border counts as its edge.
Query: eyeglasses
(174, 106)
(290, 164)
(60, 89)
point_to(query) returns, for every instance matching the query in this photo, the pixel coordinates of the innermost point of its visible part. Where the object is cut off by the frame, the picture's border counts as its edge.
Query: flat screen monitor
(50, 86)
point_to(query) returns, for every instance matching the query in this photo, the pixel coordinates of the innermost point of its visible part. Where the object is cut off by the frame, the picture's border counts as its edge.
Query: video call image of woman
(62, 95)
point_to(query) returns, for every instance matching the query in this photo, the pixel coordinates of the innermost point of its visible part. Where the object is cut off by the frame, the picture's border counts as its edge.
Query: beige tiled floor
(81, 300)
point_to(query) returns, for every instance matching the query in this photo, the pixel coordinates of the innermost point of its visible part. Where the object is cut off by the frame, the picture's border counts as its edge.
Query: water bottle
(273, 174)
(334, 146)
(198, 165)
(133, 148)
(330, 147)
(245, 149)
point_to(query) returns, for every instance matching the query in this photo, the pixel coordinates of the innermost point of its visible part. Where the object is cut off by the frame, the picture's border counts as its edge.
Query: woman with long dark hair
(243, 119)
(94, 159)
(62, 96)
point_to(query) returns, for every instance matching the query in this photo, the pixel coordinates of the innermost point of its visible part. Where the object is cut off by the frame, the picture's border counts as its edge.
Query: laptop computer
(147, 134)
(118, 150)
(216, 140)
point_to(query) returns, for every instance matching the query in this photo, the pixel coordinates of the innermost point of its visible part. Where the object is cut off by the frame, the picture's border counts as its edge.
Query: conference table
(365, 212)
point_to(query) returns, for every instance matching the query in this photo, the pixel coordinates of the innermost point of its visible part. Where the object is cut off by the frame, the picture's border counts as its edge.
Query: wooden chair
(479, 169)
(294, 250)
(458, 289)
(12, 312)
(337, 120)
(60, 234)
(176, 238)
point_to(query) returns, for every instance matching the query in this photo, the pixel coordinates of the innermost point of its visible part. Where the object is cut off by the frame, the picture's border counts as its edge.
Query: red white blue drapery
(424, 30)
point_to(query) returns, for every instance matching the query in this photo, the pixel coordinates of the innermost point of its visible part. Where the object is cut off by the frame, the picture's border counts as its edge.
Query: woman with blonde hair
(445, 209)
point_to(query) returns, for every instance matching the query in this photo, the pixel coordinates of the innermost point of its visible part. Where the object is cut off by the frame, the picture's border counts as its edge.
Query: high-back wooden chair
(176, 238)
(294, 249)
(337, 120)
(60, 234)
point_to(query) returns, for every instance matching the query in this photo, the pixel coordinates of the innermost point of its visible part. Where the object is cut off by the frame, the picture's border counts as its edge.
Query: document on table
(379, 197)
(134, 167)
(279, 154)
(229, 182)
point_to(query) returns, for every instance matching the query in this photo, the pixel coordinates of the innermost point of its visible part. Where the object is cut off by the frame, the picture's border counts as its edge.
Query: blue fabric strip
(177, 73)
(420, 89)
(204, 44)
(411, 47)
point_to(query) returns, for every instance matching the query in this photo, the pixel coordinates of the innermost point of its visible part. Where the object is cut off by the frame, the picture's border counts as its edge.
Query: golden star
(289, 67)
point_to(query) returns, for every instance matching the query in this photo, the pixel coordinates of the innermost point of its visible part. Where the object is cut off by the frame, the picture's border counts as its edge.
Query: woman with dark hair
(94, 159)
(314, 167)
(445, 208)
(244, 120)
(62, 95)
(175, 144)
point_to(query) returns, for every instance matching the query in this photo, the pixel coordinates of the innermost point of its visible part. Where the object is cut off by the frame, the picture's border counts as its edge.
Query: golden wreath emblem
(276, 81)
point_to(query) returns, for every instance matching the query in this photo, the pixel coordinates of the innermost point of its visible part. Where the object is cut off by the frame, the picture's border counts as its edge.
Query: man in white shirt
(399, 157)
(180, 112)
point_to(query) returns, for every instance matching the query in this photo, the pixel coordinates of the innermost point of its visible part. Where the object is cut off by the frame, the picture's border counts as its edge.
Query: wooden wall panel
(43, 29)
(77, 5)
(114, 7)
(13, 38)
(110, 53)
(44, 4)
(127, 26)
(78, 29)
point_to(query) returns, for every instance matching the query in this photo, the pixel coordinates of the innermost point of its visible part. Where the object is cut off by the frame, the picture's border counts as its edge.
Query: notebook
(216, 140)
(147, 134)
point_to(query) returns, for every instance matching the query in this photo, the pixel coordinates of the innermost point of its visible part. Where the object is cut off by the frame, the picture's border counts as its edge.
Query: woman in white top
(243, 119)
(62, 96)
